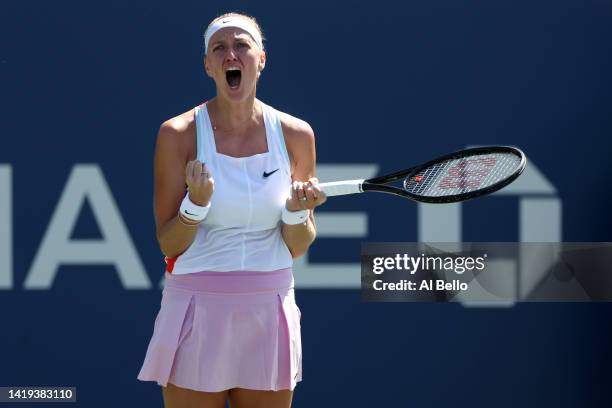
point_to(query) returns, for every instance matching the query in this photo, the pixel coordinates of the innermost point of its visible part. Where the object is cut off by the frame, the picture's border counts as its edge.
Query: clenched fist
(199, 182)
(305, 195)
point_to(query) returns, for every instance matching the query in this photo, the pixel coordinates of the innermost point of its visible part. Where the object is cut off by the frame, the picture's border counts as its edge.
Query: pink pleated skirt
(221, 330)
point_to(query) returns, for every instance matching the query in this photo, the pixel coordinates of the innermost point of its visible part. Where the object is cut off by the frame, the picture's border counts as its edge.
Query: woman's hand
(200, 183)
(305, 195)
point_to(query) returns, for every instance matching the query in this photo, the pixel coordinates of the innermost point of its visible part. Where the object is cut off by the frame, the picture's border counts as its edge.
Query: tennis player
(228, 327)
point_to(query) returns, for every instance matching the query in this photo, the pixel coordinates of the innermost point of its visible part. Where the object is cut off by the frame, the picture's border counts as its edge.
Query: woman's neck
(230, 115)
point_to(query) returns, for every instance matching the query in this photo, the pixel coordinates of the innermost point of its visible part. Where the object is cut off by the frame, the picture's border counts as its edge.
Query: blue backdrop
(86, 86)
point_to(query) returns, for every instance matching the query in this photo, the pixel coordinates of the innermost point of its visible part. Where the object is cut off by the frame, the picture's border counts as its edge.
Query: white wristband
(192, 211)
(294, 217)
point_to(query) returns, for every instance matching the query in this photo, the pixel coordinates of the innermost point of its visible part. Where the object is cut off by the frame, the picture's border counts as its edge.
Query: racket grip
(336, 188)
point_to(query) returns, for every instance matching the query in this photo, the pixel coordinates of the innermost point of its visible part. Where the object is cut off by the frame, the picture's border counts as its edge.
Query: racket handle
(336, 188)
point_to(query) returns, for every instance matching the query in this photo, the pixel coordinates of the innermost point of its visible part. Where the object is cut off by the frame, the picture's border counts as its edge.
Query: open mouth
(233, 76)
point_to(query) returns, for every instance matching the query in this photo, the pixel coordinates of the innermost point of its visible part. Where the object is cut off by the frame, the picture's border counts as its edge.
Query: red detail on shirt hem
(170, 263)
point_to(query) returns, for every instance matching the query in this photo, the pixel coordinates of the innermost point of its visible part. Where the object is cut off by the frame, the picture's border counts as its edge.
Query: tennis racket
(457, 176)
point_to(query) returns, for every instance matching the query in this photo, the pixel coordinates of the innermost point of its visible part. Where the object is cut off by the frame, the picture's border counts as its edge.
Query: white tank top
(242, 231)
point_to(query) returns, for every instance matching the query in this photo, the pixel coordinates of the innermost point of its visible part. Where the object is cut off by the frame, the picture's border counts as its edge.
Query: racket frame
(378, 184)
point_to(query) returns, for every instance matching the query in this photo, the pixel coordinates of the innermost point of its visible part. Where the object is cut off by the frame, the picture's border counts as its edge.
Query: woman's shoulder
(295, 129)
(179, 124)
(178, 133)
(299, 139)
(178, 129)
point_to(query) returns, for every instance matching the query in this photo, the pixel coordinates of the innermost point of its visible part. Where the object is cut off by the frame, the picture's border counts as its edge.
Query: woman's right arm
(174, 171)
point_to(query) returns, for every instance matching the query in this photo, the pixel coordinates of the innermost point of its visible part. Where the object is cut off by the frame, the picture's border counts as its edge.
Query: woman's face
(234, 61)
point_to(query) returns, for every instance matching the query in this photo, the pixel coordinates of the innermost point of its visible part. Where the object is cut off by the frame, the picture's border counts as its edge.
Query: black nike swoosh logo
(187, 212)
(226, 21)
(270, 173)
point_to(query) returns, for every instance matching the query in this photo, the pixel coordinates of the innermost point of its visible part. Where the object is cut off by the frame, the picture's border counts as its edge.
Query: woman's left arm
(305, 194)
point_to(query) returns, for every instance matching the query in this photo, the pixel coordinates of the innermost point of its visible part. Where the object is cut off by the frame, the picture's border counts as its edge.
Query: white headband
(235, 21)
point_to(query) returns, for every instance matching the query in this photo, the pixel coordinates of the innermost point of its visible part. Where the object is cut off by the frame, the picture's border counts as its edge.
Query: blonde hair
(247, 17)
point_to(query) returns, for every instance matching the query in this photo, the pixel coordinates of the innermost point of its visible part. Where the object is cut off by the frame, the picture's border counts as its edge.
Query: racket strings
(463, 175)
(425, 179)
(505, 166)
